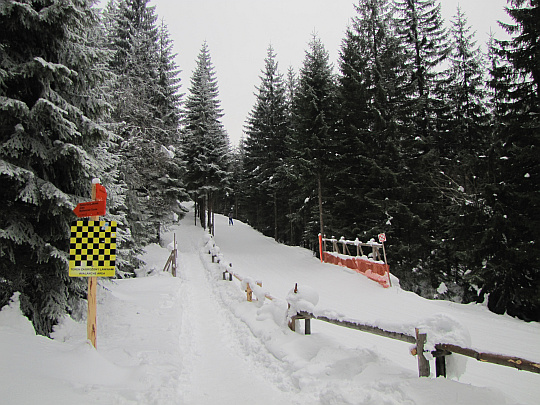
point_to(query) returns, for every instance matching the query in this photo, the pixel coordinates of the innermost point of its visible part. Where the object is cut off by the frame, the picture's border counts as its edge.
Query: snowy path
(216, 371)
(195, 340)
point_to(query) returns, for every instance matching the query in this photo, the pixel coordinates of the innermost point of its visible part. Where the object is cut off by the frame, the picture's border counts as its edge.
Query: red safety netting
(378, 272)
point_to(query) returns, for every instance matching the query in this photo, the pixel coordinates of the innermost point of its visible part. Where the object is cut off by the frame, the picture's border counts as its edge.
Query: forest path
(212, 339)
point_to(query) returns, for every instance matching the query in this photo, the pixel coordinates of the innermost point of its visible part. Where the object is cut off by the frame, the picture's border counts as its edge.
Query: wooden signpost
(382, 239)
(90, 209)
(92, 250)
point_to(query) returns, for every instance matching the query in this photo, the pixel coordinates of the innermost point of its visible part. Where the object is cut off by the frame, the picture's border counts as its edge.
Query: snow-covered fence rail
(441, 349)
(359, 247)
(249, 285)
(502, 360)
(301, 307)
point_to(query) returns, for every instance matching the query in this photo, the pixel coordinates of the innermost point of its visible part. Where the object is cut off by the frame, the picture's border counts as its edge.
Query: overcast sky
(238, 33)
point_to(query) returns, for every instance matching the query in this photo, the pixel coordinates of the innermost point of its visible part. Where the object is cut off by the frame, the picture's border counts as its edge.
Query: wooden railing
(171, 261)
(228, 273)
(359, 245)
(441, 349)
(418, 339)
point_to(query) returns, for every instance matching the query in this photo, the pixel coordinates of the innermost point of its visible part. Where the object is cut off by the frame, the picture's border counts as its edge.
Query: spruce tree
(372, 95)
(235, 201)
(53, 143)
(147, 112)
(422, 33)
(510, 272)
(463, 129)
(265, 153)
(205, 144)
(313, 137)
(462, 89)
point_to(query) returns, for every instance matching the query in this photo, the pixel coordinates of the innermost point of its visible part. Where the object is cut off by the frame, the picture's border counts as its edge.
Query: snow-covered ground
(195, 339)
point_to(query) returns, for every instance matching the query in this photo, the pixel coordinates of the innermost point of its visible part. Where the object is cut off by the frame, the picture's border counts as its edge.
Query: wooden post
(423, 363)
(91, 320)
(307, 325)
(440, 364)
(249, 293)
(385, 262)
(320, 247)
(292, 324)
(174, 257)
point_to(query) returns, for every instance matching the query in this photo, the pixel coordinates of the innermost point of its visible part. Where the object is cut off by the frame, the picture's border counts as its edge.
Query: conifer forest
(416, 132)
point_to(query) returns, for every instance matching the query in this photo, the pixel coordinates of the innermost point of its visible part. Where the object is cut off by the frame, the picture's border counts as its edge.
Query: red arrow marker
(90, 209)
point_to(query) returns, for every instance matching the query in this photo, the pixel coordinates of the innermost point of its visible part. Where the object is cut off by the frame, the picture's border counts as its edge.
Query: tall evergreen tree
(147, 110)
(313, 137)
(463, 129)
(52, 144)
(205, 143)
(462, 90)
(421, 29)
(265, 150)
(168, 97)
(372, 94)
(235, 202)
(510, 273)
(422, 33)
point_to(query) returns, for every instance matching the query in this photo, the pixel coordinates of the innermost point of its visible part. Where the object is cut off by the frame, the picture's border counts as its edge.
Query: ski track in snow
(215, 342)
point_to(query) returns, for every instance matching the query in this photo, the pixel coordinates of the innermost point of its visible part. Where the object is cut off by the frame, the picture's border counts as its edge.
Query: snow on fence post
(301, 303)
(227, 272)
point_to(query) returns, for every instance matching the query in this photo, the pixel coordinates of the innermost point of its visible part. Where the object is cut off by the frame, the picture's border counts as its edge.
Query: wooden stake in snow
(423, 363)
(91, 320)
(249, 292)
(92, 249)
(382, 239)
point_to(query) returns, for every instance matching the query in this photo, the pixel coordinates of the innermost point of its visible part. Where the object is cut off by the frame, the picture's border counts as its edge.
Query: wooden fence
(441, 349)
(374, 268)
(418, 339)
(171, 261)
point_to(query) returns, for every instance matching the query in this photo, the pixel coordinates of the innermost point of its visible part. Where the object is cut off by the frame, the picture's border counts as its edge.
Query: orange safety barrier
(378, 272)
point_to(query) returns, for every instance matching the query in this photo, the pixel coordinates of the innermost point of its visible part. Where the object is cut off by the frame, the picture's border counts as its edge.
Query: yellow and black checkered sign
(92, 248)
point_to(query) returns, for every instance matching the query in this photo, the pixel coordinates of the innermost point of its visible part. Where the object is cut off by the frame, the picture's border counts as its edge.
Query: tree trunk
(202, 210)
(291, 236)
(275, 217)
(320, 203)
(210, 205)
